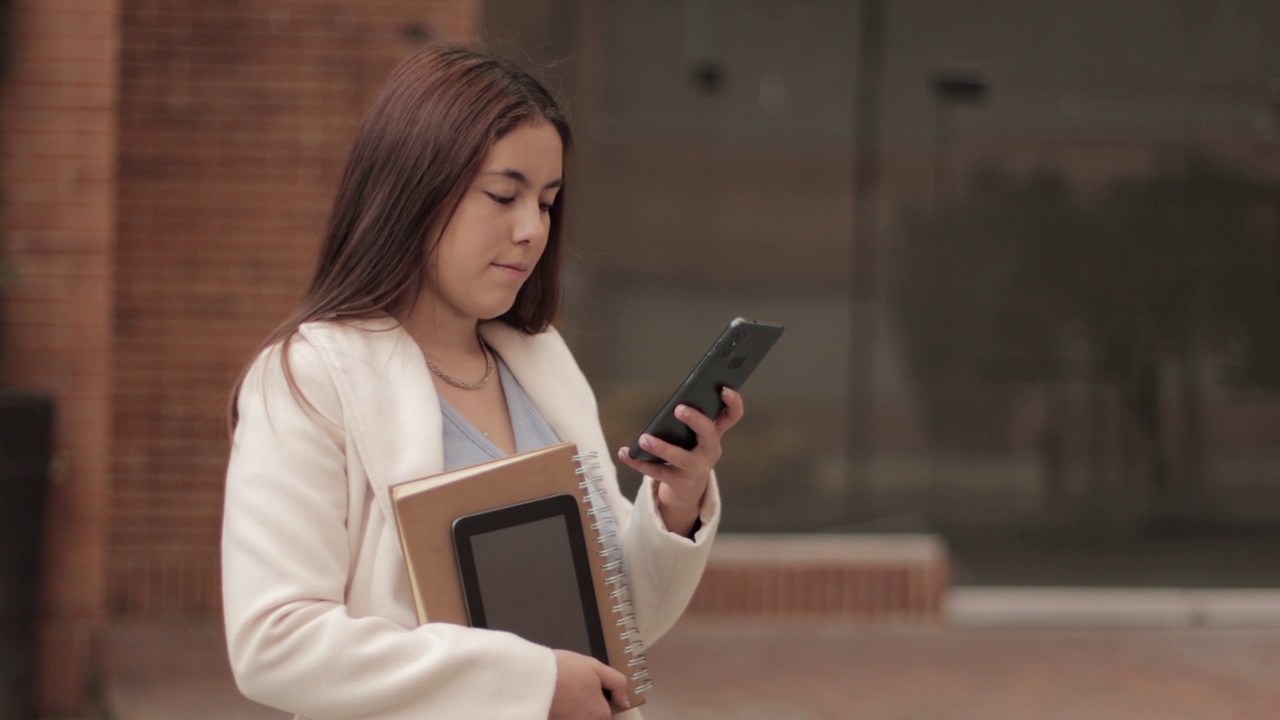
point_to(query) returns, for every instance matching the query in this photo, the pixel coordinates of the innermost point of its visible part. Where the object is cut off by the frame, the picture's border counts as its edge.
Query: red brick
(65, 654)
(167, 168)
(256, 104)
(857, 587)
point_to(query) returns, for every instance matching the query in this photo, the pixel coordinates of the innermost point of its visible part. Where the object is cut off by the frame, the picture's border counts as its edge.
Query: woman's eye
(545, 207)
(501, 199)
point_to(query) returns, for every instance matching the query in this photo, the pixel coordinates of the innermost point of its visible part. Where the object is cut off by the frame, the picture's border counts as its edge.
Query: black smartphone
(728, 363)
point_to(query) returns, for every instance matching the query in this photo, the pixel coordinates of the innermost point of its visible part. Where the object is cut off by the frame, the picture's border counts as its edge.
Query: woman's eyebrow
(524, 181)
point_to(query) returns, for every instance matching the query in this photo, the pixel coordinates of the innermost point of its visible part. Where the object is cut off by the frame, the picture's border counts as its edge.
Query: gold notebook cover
(425, 510)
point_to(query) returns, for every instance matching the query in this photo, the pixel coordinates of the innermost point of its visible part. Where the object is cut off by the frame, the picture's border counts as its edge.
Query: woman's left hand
(682, 482)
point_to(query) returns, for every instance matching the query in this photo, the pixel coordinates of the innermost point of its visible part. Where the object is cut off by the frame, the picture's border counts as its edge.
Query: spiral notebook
(532, 527)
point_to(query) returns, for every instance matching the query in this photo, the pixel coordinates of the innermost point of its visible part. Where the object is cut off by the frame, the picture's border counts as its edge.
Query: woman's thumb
(616, 683)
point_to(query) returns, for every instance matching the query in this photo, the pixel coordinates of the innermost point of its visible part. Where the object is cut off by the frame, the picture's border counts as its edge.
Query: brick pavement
(715, 670)
(719, 669)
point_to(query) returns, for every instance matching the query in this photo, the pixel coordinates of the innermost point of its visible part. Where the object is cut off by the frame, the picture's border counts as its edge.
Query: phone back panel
(730, 361)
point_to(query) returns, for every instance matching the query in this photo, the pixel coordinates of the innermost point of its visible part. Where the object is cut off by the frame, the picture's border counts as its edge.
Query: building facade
(1028, 256)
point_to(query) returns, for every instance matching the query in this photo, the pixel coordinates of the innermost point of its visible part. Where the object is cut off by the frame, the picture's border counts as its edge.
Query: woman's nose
(532, 225)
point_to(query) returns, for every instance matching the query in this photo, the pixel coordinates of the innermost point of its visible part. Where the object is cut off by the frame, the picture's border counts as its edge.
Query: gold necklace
(488, 371)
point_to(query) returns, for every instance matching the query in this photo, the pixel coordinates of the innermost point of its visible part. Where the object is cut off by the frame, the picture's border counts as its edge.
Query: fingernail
(682, 410)
(623, 453)
(646, 442)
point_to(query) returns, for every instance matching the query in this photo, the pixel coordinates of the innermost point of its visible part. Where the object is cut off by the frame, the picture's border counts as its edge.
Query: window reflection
(1066, 321)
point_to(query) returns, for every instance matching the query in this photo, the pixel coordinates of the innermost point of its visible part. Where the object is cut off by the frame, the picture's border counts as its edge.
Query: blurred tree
(1184, 271)
(1022, 286)
(991, 272)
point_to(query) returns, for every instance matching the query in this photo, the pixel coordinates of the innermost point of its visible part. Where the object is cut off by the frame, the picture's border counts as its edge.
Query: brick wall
(841, 578)
(234, 120)
(57, 216)
(166, 166)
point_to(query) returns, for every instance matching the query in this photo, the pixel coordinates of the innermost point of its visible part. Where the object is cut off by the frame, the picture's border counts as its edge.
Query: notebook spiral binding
(607, 537)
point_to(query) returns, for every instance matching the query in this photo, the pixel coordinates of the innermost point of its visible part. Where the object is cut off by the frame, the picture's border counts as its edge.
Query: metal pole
(863, 306)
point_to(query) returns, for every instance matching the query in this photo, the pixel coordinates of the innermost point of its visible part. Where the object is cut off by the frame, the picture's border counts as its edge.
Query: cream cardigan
(318, 613)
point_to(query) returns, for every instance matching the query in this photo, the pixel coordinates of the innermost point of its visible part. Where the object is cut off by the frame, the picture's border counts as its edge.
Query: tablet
(525, 569)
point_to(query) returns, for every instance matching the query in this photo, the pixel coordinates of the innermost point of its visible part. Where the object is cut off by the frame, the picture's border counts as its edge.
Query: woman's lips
(513, 269)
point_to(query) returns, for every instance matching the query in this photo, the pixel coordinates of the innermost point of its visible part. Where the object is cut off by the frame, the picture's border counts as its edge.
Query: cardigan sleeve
(663, 568)
(286, 564)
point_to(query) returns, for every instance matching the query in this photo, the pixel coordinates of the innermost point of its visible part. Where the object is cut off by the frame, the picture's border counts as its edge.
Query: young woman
(424, 343)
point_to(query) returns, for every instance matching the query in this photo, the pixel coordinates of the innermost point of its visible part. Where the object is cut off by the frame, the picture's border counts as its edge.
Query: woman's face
(498, 233)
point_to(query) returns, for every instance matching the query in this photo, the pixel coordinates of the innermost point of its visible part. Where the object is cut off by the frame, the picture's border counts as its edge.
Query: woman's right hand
(579, 681)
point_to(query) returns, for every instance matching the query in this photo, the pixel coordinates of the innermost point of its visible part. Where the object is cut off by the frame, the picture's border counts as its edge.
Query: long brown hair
(421, 144)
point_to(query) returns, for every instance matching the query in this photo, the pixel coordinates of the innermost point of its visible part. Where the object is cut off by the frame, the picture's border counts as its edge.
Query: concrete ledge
(1112, 607)
(834, 577)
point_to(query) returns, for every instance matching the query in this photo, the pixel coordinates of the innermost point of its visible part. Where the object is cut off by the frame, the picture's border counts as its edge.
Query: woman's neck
(442, 334)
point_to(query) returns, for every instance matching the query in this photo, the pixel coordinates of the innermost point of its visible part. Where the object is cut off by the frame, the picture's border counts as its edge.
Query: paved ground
(159, 671)
(733, 670)
(719, 671)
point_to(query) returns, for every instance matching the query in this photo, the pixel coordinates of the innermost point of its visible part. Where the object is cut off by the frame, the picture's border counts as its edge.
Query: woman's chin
(493, 312)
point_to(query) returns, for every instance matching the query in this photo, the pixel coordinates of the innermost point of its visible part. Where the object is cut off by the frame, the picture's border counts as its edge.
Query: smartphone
(728, 363)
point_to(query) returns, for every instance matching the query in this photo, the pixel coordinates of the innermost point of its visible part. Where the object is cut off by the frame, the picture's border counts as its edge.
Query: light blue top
(465, 445)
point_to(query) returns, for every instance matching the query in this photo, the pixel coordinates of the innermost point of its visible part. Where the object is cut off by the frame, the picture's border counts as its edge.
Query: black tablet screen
(524, 571)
